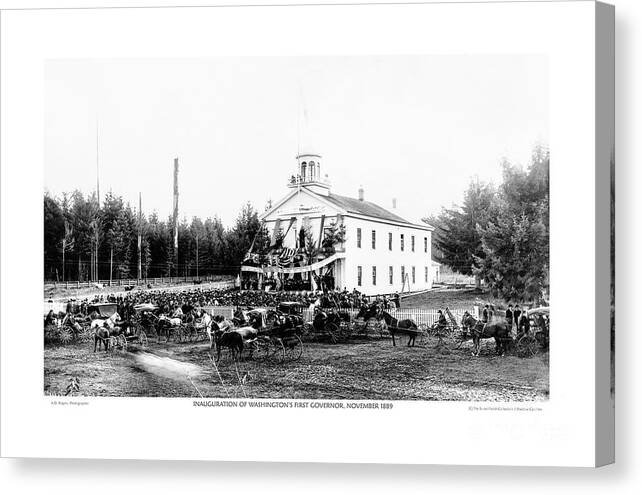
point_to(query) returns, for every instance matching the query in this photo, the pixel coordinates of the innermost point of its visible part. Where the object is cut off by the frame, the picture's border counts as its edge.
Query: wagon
(329, 325)
(451, 333)
(534, 337)
(279, 332)
(135, 332)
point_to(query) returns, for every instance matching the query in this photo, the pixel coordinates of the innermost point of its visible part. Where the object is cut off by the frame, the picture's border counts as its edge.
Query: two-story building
(382, 253)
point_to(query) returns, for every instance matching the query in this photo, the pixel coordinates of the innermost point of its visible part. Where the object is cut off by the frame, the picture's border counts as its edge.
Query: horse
(110, 322)
(405, 327)
(232, 340)
(101, 336)
(500, 331)
(103, 333)
(168, 325)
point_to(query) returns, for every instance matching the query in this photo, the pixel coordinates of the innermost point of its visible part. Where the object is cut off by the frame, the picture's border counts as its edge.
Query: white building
(382, 253)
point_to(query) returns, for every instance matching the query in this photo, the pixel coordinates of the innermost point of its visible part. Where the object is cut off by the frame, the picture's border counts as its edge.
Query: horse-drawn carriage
(533, 332)
(279, 332)
(330, 324)
(121, 333)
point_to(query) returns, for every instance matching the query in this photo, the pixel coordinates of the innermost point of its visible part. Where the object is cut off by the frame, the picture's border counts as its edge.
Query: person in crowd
(516, 315)
(509, 316)
(396, 300)
(485, 314)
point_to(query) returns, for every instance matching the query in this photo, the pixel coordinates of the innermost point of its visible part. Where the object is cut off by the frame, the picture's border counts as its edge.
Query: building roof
(353, 205)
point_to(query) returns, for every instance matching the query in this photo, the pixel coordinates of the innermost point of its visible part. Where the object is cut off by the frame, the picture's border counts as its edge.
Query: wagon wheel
(142, 338)
(527, 346)
(332, 329)
(122, 342)
(261, 348)
(65, 335)
(86, 335)
(277, 351)
(293, 348)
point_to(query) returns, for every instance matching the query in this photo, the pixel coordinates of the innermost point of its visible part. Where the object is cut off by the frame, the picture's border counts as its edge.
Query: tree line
(87, 240)
(500, 234)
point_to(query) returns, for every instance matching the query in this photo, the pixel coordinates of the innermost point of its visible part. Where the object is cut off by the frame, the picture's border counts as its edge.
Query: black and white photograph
(298, 227)
(315, 234)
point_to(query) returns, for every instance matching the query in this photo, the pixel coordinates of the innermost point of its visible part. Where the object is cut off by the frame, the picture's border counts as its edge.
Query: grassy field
(365, 369)
(451, 298)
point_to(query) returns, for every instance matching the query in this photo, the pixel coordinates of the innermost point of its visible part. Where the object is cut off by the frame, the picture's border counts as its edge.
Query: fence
(122, 282)
(420, 316)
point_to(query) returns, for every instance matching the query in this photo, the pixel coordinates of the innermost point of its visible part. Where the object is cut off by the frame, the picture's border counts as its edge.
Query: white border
(445, 433)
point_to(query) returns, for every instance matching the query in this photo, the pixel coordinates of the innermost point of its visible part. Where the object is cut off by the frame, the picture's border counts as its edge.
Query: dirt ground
(364, 369)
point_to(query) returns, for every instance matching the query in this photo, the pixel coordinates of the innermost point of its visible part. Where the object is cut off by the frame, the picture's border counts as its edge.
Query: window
(413, 274)
(402, 244)
(390, 275)
(374, 275)
(426, 273)
(358, 238)
(425, 246)
(359, 273)
(403, 274)
(412, 243)
(390, 241)
(374, 239)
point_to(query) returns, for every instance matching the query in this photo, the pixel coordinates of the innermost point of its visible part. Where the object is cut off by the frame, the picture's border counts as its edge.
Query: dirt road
(367, 369)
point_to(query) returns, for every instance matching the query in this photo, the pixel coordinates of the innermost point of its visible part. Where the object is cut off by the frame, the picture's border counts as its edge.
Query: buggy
(279, 332)
(533, 333)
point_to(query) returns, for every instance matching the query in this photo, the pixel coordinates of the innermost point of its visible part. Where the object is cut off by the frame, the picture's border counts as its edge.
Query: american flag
(287, 256)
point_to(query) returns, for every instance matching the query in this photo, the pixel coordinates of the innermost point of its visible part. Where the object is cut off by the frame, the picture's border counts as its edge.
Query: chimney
(394, 203)
(360, 193)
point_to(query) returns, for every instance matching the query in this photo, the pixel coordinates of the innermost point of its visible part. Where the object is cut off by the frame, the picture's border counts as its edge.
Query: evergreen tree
(515, 244)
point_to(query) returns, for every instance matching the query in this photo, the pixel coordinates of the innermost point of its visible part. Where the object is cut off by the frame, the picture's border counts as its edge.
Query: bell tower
(309, 174)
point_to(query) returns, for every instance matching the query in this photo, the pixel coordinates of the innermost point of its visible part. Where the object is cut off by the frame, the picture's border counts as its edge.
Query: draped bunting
(297, 269)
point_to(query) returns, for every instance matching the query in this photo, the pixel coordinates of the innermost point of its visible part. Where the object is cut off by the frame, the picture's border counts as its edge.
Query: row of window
(391, 273)
(402, 241)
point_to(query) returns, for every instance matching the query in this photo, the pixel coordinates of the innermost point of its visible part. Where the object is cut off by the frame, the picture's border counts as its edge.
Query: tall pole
(97, 169)
(197, 257)
(176, 214)
(95, 263)
(140, 236)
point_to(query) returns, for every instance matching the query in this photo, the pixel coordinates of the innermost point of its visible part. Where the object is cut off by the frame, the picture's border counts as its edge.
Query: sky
(415, 128)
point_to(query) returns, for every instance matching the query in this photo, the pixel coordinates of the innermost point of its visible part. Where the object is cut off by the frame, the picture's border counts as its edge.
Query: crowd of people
(168, 300)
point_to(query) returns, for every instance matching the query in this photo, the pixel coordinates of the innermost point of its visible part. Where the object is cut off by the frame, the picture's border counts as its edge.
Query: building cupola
(309, 174)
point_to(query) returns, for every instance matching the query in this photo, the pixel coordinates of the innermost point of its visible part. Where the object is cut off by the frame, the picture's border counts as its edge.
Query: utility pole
(140, 237)
(197, 257)
(176, 214)
(94, 267)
